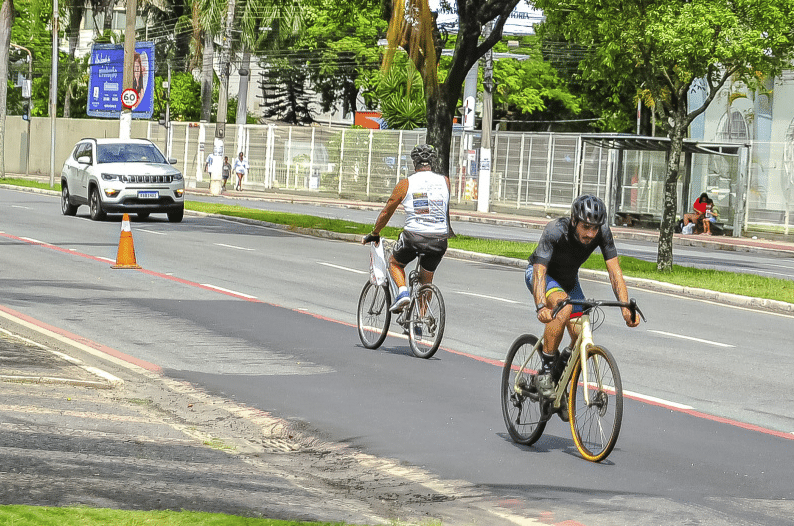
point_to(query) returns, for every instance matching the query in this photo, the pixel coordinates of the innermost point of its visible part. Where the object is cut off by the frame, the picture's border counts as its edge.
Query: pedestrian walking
(241, 169)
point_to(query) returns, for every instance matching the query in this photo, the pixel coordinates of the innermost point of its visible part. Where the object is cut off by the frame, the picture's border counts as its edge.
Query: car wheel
(175, 216)
(95, 205)
(67, 208)
(142, 215)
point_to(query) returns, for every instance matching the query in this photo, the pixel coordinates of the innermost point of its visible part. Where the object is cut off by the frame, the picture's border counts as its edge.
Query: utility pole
(125, 121)
(26, 94)
(53, 90)
(223, 97)
(484, 186)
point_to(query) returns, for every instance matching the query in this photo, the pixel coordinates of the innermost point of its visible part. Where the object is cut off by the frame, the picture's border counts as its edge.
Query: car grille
(147, 178)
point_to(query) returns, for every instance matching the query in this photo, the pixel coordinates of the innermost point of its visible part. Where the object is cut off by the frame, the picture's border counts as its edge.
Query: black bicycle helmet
(423, 154)
(590, 209)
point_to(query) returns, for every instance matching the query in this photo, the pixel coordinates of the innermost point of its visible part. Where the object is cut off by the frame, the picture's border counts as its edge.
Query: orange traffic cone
(126, 255)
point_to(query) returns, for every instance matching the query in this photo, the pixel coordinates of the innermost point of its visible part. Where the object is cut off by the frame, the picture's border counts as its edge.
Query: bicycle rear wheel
(595, 425)
(373, 316)
(426, 319)
(521, 407)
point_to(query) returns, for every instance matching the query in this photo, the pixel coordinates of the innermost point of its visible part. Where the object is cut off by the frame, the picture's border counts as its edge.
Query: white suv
(121, 175)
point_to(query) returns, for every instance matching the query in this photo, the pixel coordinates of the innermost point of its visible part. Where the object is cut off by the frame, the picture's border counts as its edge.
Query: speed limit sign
(129, 98)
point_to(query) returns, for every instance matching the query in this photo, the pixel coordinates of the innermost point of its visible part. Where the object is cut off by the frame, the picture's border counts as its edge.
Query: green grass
(16, 515)
(716, 280)
(30, 183)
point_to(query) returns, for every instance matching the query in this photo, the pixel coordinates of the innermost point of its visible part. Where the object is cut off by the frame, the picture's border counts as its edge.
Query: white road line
(106, 259)
(34, 240)
(699, 340)
(655, 400)
(228, 291)
(233, 246)
(357, 271)
(150, 231)
(22, 207)
(486, 297)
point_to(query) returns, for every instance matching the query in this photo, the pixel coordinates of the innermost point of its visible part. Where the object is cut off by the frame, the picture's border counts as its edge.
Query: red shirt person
(699, 206)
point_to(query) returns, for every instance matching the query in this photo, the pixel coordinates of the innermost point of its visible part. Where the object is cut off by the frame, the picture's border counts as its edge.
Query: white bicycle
(423, 318)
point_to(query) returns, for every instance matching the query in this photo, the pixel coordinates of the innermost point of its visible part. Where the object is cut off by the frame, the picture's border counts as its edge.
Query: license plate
(148, 195)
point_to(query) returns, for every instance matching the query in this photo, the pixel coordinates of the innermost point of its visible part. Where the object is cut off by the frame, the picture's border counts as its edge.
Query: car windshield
(129, 153)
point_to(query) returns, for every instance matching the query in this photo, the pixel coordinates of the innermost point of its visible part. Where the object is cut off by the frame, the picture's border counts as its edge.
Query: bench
(637, 219)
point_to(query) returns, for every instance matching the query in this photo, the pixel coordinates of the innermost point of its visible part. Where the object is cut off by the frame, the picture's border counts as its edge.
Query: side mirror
(172, 160)
(84, 159)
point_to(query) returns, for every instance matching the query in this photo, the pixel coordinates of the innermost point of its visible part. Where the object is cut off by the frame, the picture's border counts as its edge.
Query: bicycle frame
(412, 280)
(584, 341)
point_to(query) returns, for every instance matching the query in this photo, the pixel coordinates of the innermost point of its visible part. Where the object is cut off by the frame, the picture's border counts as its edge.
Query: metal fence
(529, 171)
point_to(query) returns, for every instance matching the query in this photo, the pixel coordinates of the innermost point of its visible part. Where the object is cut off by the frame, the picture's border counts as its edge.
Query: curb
(107, 380)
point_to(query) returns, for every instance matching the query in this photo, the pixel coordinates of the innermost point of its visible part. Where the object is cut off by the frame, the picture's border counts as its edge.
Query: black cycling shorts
(410, 245)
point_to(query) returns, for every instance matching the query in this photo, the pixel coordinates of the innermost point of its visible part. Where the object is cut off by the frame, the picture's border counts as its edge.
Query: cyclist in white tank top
(425, 199)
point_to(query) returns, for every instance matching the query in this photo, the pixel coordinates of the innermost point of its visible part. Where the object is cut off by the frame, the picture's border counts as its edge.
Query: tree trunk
(207, 76)
(664, 259)
(6, 21)
(67, 102)
(75, 17)
(108, 22)
(440, 112)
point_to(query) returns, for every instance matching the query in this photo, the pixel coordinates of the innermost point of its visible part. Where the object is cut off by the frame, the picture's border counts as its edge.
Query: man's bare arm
(539, 283)
(619, 289)
(397, 196)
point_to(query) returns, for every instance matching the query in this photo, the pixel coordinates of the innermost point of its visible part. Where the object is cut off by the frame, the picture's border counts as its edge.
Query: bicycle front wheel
(595, 421)
(520, 400)
(426, 319)
(373, 316)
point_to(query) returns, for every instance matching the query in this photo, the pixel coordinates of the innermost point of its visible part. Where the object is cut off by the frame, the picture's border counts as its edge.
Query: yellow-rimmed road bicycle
(589, 387)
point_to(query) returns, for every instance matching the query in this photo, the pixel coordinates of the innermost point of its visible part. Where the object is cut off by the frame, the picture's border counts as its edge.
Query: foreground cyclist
(553, 275)
(425, 199)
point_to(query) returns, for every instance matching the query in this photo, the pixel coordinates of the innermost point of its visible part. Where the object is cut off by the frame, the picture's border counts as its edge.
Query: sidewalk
(86, 432)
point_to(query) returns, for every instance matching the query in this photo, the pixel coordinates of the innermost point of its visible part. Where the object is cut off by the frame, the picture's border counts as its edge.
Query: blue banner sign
(106, 80)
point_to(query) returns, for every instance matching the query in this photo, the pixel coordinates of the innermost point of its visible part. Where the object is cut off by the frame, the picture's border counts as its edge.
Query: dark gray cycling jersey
(563, 254)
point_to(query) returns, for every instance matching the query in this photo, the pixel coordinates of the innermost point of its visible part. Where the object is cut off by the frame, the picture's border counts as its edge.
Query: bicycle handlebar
(592, 304)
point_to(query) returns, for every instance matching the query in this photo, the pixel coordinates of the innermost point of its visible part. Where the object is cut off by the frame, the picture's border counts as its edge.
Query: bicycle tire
(522, 412)
(373, 315)
(426, 327)
(595, 428)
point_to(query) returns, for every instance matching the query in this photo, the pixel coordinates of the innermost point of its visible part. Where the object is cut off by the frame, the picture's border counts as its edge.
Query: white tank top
(426, 204)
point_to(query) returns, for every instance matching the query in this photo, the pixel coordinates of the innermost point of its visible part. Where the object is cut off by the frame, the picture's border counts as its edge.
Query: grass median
(716, 280)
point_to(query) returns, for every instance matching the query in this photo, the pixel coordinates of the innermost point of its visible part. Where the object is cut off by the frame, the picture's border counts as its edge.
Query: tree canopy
(664, 47)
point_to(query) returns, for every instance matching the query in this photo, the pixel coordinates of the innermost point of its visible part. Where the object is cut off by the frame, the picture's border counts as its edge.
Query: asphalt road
(757, 263)
(265, 318)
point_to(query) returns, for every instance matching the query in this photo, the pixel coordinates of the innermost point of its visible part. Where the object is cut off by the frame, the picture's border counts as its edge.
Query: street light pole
(223, 97)
(29, 97)
(53, 90)
(484, 186)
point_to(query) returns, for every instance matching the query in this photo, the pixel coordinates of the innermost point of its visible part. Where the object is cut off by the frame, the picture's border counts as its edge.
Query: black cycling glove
(372, 238)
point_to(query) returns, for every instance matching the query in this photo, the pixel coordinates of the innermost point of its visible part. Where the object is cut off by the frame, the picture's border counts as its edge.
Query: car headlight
(177, 176)
(111, 177)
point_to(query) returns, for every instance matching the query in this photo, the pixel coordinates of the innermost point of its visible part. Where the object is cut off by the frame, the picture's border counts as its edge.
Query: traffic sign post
(129, 98)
